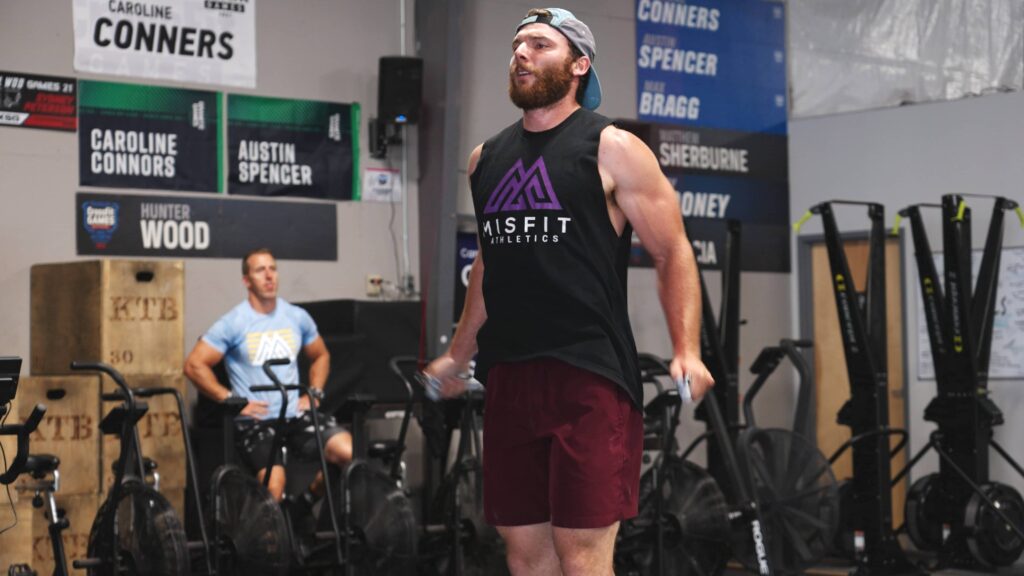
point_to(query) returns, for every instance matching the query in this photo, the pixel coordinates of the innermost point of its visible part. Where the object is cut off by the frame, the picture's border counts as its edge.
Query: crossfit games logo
(522, 190)
(100, 221)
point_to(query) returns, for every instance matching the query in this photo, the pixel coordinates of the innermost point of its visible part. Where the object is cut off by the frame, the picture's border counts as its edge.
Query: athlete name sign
(134, 136)
(34, 101)
(203, 41)
(280, 147)
(203, 227)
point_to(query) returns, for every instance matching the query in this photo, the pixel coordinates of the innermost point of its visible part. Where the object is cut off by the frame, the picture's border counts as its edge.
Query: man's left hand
(700, 379)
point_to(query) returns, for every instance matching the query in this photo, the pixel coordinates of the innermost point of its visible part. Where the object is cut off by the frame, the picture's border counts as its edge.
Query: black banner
(200, 227)
(135, 136)
(34, 101)
(280, 147)
(723, 175)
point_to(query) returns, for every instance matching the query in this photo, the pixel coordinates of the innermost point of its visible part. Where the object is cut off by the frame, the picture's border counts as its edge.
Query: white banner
(202, 41)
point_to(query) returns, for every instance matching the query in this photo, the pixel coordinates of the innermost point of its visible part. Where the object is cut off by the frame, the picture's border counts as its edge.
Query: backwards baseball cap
(579, 34)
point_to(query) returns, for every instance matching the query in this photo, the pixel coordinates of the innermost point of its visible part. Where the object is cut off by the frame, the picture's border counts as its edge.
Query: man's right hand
(255, 409)
(447, 370)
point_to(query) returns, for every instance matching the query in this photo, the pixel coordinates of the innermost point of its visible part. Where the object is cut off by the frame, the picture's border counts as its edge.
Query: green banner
(280, 147)
(134, 136)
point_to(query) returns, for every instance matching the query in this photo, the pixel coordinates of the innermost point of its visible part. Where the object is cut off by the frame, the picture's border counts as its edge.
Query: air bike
(371, 530)
(971, 521)
(768, 497)
(866, 530)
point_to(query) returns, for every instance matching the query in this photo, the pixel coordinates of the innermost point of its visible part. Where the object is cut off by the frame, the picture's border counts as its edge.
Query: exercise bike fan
(798, 494)
(381, 519)
(150, 539)
(697, 542)
(250, 524)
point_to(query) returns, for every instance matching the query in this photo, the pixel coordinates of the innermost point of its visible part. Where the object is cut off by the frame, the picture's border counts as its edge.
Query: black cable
(10, 498)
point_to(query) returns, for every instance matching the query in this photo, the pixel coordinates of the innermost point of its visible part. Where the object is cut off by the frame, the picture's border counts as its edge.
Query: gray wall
(306, 49)
(490, 26)
(912, 154)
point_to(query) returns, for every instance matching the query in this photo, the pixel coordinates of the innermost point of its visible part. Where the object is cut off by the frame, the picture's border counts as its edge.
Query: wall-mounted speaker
(400, 89)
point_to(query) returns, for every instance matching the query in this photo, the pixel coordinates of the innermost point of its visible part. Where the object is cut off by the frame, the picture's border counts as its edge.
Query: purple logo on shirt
(523, 190)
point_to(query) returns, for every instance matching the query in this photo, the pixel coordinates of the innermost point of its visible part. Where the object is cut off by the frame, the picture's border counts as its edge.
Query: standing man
(263, 327)
(557, 196)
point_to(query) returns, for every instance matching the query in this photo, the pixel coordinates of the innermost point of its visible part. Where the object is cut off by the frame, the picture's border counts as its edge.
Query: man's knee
(529, 549)
(585, 550)
(339, 449)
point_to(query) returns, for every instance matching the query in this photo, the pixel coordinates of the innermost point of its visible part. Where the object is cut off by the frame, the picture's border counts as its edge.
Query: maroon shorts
(561, 445)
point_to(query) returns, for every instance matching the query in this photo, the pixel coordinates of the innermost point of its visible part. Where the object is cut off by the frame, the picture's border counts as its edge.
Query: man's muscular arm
(319, 368)
(199, 369)
(456, 359)
(649, 203)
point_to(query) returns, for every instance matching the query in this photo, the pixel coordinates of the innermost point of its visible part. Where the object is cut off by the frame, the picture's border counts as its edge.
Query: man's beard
(550, 85)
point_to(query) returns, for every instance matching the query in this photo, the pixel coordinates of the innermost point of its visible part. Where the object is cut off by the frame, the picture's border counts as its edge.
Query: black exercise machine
(866, 500)
(971, 521)
(136, 531)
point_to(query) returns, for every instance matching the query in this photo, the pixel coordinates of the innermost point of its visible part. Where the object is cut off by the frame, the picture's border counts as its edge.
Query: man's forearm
(679, 292)
(474, 313)
(319, 370)
(206, 382)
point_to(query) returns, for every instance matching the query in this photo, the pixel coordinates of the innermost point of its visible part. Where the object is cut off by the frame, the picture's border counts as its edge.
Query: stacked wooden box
(128, 314)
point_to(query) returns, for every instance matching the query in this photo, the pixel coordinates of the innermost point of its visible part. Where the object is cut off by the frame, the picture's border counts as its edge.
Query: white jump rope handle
(432, 385)
(683, 385)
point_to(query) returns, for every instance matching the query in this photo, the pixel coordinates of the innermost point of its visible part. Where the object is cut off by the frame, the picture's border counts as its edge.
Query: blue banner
(712, 64)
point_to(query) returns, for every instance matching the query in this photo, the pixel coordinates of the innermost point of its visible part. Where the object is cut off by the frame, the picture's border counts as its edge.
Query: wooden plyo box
(70, 428)
(126, 313)
(15, 542)
(80, 511)
(160, 432)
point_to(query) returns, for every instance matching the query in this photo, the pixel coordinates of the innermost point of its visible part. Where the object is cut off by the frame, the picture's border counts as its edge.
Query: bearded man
(557, 197)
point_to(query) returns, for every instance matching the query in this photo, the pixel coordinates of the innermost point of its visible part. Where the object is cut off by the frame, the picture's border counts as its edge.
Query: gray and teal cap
(579, 34)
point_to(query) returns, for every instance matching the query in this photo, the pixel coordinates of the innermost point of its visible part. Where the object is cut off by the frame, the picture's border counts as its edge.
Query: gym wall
(900, 156)
(306, 49)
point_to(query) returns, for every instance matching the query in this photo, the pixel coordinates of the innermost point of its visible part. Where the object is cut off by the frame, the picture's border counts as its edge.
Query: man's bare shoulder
(618, 145)
(474, 157)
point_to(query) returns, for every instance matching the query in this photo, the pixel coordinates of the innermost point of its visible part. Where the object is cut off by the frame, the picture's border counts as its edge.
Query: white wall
(916, 154)
(308, 49)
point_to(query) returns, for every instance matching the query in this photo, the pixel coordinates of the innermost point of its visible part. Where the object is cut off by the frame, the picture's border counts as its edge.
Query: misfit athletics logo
(522, 189)
(100, 221)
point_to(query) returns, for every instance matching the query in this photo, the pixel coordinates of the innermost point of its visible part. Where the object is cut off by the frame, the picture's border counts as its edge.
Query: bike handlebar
(22, 431)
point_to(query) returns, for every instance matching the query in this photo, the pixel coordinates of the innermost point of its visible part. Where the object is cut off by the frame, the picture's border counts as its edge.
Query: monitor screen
(10, 370)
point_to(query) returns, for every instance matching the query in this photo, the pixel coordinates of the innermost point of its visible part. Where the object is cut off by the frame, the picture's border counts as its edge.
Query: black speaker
(400, 89)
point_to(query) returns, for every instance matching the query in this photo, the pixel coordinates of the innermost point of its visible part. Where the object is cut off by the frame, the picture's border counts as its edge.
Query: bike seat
(358, 403)
(383, 449)
(667, 399)
(38, 465)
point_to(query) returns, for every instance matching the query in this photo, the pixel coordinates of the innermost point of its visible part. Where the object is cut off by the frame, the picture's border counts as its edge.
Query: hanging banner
(719, 175)
(280, 147)
(203, 227)
(134, 136)
(201, 41)
(711, 97)
(712, 64)
(34, 101)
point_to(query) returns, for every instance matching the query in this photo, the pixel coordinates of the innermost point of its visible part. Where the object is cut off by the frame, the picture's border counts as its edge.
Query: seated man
(260, 328)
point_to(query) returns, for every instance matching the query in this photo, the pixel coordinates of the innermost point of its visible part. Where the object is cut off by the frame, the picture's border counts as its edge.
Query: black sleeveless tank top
(554, 269)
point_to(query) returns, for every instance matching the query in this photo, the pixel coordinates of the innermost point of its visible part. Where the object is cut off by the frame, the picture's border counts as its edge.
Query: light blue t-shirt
(248, 339)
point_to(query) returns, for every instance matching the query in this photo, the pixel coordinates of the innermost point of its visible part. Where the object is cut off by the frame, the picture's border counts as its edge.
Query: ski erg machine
(971, 521)
(867, 498)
